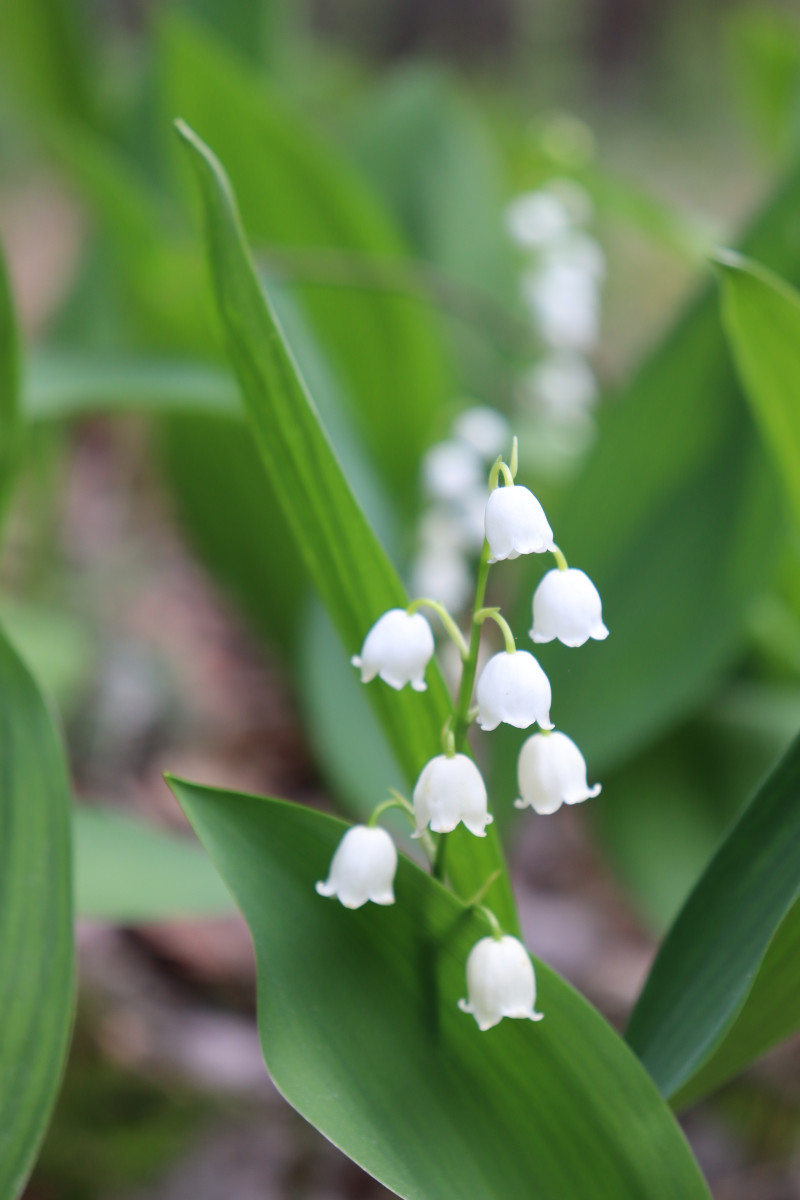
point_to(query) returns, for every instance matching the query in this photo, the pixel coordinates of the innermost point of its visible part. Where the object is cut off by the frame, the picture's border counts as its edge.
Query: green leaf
(36, 971)
(361, 1031)
(61, 385)
(761, 315)
(10, 416)
(127, 871)
(346, 562)
(705, 970)
(295, 191)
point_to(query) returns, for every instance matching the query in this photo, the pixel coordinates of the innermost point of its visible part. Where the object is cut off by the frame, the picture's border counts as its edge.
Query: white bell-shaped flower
(449, 790)
(567, 606)
(513, 688)
(363, 868)
(516, 524)
(398, 648)
(551, 771)
(500, 982)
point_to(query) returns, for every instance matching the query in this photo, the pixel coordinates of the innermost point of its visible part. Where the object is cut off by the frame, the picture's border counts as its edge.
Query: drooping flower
(551, 771)
(362, 868)
(567, 606)
(398, 648)
(449, 790)
(513, 688)
(500, 982)
(516, 524)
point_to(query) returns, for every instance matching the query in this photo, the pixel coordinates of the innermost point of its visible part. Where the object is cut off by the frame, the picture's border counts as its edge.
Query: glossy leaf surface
(361, 1031)
(706, 967)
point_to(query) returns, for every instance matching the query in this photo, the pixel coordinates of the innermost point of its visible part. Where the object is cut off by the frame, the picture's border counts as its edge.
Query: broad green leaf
(10, 416)
(36, 971)
(295, 191)
(129, 871)
(761, 314)
(705, 970)
(347, 564)
(361, 1031)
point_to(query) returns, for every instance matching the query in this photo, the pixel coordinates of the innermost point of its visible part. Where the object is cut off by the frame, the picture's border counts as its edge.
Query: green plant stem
(447, 620)
(462, 721)
(493, 614)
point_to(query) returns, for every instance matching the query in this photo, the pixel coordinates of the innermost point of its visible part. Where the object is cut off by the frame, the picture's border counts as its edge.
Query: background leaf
(10, 416)
(129, 871)
(36, 972)
(762, 320)
(361, 1032)
(294, 190)
(706, 966)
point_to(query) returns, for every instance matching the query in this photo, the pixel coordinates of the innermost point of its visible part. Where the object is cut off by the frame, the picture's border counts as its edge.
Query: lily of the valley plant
(513, 689)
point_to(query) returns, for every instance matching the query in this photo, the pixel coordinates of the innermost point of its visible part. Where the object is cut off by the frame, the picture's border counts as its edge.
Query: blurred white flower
(513, 688)
(567, 606)
(516, 524)
(451, 469)
(485, 429)
(551, 771)
(442, 574)
(449, 790)
(561, 385)
(362, 868)
(500, 982)
(398, 648)
(577, 250)
(564, 305)
(533, 218)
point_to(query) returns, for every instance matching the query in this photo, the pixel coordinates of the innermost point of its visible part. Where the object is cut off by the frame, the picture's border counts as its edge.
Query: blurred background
(457, 205)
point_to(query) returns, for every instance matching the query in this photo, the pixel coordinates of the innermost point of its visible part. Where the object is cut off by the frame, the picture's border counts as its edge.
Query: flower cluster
(563, 270)
(513, 689)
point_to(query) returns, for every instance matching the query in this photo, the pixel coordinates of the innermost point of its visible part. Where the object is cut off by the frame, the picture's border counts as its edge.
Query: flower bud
(449, 790)
(567, 606)
(516, 524)
(363, 868)
(513, 688)
(398, 648)
(551, 771)
(500, 982)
